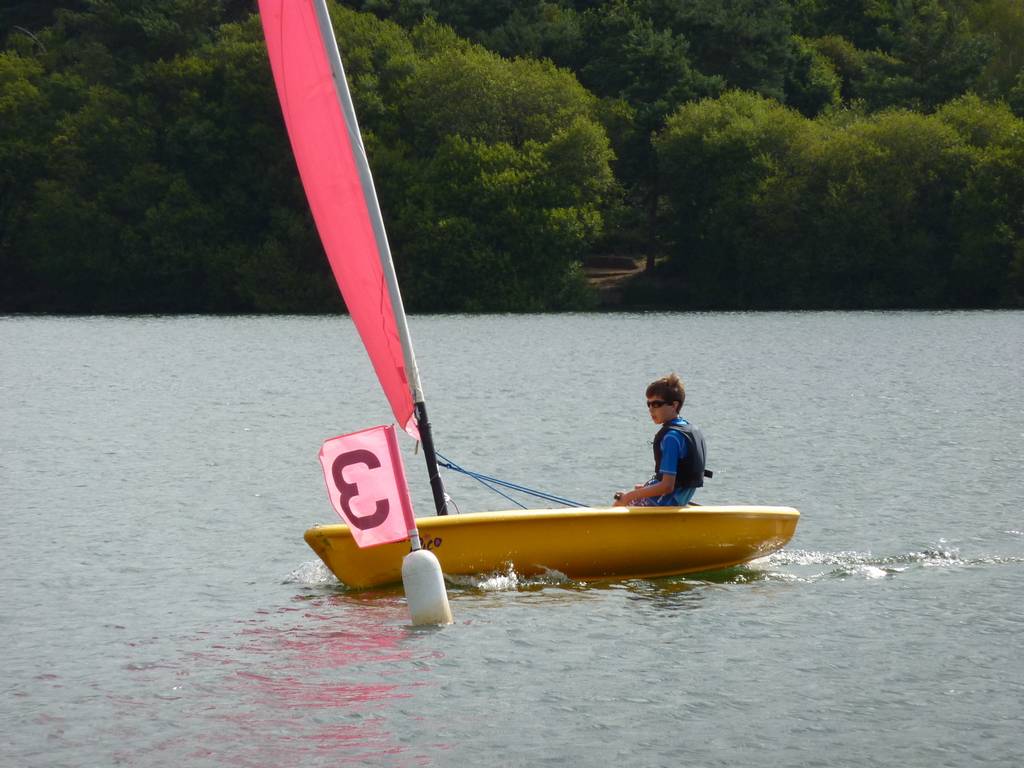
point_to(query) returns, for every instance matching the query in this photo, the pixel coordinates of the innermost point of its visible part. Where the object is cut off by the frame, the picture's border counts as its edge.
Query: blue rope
(486, 480)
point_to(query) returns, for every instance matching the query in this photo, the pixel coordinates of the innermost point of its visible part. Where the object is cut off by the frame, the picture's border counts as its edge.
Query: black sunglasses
(656, 403)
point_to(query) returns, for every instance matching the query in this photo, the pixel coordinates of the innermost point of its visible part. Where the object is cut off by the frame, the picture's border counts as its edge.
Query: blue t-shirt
(673, 448)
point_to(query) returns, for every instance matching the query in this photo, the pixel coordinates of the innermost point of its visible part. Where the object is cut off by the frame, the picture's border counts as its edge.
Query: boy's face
(661, 410)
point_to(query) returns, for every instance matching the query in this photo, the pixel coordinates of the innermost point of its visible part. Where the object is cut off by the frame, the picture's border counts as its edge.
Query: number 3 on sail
(366, 484)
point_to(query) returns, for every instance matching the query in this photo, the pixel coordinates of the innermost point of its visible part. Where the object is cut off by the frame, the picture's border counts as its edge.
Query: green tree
(896, 209)
(880, 222)
(494, 231)
(988, 211)
(25, 130)
(497, 185)
(920, 53)
(542, 29)
(27, 17)
(477, 94)
(237, 215)
(74, 230)
(1000, 23)
(872, 78)
(107, 40)
(1015, 98)
(813, 84)
(719, 158)
(144, 165)
(851, 20)
(748, 43)
(943, 56)
(644, 72)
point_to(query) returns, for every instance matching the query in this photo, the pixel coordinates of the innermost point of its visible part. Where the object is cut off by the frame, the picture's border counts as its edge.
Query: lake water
(160, 608)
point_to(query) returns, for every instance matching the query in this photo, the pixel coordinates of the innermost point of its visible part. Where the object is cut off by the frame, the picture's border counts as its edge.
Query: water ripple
(313, 573)
(508, 580)
(868, 565)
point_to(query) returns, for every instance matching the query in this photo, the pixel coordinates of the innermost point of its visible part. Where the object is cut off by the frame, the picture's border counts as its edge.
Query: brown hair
(669, 388)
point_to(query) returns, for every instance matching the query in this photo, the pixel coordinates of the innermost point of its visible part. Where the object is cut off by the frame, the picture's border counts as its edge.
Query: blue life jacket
(691, 471)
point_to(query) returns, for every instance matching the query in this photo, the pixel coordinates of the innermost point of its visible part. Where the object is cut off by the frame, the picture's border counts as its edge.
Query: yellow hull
(588, 543)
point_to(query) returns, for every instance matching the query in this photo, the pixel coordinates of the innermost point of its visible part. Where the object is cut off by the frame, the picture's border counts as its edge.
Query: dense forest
(751, 153)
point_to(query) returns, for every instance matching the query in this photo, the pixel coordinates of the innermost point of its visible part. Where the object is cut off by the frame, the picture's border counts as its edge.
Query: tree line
(754, 153)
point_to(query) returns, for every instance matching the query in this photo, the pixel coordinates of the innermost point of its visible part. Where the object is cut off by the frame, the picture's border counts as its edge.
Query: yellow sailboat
(587, 543)
(582, 543)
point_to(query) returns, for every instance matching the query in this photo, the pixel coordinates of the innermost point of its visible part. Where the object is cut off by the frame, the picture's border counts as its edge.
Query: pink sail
(324, 151)
(366, 484)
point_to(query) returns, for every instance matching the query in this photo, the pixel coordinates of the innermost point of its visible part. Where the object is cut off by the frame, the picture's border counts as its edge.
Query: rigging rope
(487, 481)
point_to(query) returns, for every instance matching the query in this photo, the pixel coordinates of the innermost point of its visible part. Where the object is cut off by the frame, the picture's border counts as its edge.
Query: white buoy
(424, 588)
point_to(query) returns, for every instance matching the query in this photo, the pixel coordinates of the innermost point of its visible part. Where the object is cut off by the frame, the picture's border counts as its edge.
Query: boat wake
(315, 574)
(804, 565)
(797, 566)
(311, 574)
(508, 580)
